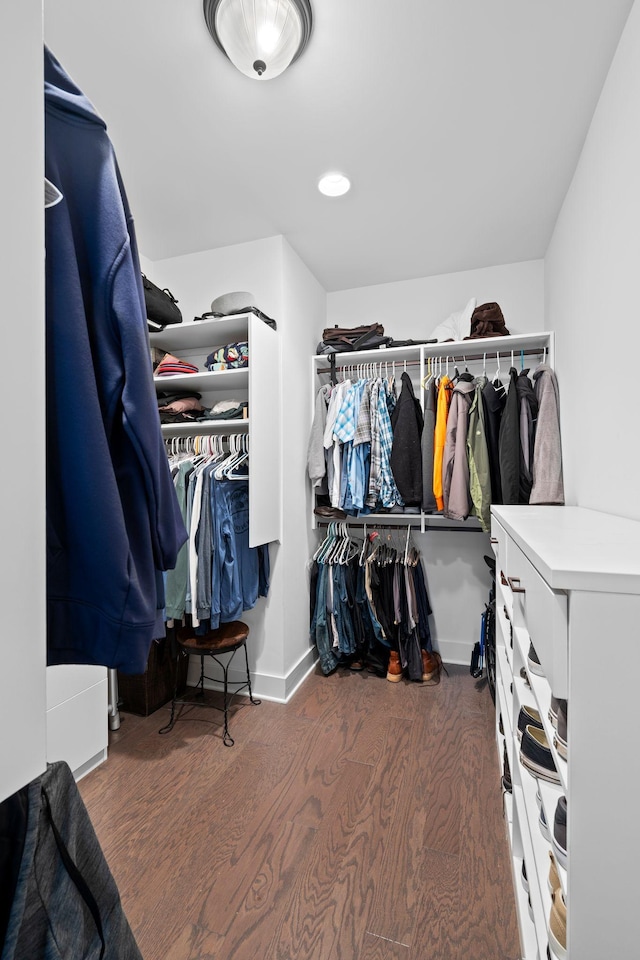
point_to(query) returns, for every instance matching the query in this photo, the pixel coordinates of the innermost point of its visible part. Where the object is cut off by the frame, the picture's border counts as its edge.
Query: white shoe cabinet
(568, 579)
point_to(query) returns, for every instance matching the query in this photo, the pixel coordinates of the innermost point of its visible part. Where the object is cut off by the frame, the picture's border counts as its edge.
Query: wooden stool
(228, 638)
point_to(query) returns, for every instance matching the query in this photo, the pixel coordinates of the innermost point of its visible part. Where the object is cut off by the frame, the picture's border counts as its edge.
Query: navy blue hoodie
(113, 521)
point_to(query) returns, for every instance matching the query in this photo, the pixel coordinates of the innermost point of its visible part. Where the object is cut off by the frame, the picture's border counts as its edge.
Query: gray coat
(455, 466)
(548, 486)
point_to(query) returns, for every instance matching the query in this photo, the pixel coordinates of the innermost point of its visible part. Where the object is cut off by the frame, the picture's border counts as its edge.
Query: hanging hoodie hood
(61, 93)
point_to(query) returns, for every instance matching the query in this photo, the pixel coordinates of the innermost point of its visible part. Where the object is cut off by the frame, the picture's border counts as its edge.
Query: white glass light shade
(260, 37)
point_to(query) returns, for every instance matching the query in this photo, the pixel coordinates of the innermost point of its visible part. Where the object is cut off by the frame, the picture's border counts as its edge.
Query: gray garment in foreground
(50, 918)
(548, 485)
(316, 463)
(455, 463)
(429, 504)
(478, 457)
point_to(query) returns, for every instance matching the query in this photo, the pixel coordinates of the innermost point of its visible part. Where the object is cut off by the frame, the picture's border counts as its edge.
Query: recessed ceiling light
(334, 184)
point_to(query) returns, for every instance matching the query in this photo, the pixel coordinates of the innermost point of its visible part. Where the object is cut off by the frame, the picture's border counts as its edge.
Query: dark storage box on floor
(144, 693)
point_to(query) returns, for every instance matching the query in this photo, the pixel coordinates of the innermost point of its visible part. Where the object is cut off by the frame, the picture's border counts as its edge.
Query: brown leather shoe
(431, 666)
(330, 513)
(394, 670)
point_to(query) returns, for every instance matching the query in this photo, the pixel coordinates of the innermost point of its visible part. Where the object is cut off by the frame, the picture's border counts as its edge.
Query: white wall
(304, 312)
(22, 508)
(592, 268)
(457, 576)
(413, 308)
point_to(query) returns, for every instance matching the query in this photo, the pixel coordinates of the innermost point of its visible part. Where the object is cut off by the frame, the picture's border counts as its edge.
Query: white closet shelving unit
(259, 384)
(568, 580)
(520, 350)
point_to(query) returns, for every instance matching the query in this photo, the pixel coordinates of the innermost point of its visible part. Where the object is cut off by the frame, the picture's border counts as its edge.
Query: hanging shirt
(510, 444)
(548, 486)
(445, 389)
(455, 467)
(406, 454)
(494, 396)
(427, 445)
(478, 457)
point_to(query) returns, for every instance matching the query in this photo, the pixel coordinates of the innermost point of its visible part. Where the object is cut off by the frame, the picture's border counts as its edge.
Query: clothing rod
(452, 359)
(400, 525)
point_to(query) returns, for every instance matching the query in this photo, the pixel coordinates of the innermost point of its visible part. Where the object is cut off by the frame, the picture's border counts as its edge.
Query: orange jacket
(445, 389)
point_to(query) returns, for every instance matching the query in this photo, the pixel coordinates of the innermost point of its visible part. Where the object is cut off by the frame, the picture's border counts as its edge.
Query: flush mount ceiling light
(334, 184)
(260, 37)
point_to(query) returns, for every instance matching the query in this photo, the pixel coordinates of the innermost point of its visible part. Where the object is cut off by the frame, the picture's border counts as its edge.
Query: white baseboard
(263, 685)
(455, 651)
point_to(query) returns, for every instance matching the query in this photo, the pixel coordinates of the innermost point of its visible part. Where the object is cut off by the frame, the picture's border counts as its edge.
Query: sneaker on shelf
(525, 882)
(544, 826)
(558, 926)
(506, 772)
(553, 881)
(553, 710)
(533, 663)
(560, 737)
(528, 716)
(559, 839)
(523, 674)
(394, 670)
(535, 755)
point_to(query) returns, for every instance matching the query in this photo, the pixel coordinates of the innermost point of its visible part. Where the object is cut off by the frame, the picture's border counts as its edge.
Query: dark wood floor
(361, 821)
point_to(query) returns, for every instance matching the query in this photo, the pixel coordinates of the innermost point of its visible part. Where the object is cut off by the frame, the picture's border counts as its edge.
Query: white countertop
(574, 548)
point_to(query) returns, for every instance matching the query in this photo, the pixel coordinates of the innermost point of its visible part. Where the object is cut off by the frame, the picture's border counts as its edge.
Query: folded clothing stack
(181, 406)
(171, 366)
(228, 410)
(229, 357)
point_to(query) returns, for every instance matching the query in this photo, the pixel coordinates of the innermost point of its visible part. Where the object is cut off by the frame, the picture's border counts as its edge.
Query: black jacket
(493, 399)
(406, 454)
(509, 443)
(528, 411)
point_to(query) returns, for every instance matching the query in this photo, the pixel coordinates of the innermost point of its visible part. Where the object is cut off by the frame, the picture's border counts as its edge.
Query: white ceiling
(459, 122)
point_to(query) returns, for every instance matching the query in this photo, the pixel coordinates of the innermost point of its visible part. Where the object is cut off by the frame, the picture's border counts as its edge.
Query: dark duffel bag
(162, 306)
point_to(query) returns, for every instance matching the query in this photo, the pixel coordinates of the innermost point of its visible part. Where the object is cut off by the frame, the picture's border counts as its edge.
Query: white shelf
(577, 549)
(205, 381)
(204, 427)
(202, 335)
(468, 349)
(259, 383)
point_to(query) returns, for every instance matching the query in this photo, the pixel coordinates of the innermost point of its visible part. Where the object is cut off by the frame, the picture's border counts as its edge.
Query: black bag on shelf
(162, 306)
(346, 339)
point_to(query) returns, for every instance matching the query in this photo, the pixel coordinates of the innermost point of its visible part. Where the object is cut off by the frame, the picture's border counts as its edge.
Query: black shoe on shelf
(533, 661)
(528, 716)
(535, 755)
(560, 832)
(506, 773)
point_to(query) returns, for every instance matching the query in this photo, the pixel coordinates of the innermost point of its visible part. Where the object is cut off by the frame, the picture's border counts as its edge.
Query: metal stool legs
(228, 696)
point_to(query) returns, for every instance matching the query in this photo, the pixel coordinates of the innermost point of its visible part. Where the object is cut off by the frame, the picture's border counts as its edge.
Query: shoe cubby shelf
(570, 577)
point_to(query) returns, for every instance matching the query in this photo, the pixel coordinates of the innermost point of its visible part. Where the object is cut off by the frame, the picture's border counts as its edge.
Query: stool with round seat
(228, 638)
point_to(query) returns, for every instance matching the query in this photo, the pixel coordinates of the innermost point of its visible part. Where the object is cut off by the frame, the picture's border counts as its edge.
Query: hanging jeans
(319, 626)
(341, 611)
(234, 579)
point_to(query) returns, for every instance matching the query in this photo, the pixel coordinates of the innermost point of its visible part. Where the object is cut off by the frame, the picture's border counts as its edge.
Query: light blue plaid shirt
(382, 486)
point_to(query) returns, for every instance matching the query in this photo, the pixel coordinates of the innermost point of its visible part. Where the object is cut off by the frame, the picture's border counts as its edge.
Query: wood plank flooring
(361, 821)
